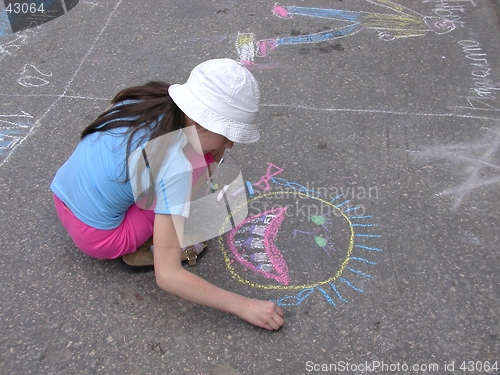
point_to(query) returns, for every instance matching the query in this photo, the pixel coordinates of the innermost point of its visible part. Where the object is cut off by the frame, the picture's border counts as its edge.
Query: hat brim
(203, 115)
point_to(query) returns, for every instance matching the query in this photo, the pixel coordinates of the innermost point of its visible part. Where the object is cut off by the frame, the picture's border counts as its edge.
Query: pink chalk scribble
(281, 12)
(263, 183)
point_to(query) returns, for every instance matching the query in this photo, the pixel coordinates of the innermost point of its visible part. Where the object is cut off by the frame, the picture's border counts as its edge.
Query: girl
(142, 152)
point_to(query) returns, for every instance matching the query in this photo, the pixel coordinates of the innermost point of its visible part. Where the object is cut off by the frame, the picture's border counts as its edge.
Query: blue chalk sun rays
(361, 257)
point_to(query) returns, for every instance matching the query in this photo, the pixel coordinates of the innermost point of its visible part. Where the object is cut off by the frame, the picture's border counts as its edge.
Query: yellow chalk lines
(339, 272)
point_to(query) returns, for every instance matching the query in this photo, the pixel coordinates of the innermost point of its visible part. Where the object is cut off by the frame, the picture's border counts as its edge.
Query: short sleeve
(173, 189)
(161, 175)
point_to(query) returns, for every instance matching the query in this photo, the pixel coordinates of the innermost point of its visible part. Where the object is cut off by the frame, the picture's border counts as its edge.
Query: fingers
(276, 321)
(264, 314)
(279, 311)
(273, 325)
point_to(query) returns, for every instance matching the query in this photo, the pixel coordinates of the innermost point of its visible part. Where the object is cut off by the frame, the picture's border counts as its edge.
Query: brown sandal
(142, 259)
(190, 253)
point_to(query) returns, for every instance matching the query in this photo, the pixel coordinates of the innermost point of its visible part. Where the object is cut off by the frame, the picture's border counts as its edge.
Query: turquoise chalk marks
(401, 22)
(363, 260)
(337, 293)
(342, 204)
(353, 209)
(368, 248)
(8, 138)
(295, 300)
(336, 198)
(360, 273)
(13, 130)
(350, 285)
(324, 13)
(326, 295)
(368, 235)
(294, 185)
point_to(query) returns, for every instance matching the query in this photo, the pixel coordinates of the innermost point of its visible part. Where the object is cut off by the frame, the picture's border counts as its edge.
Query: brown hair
(151, 101)
(151, 108)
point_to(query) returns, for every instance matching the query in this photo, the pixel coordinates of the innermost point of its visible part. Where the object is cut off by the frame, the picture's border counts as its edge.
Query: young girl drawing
(114, 173)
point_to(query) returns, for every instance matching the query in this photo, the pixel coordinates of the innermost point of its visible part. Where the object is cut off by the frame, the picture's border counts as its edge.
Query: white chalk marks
(480, 161)
(13, 130)
(482, 96)
(16, 128)
(10, 47)
(31, 76)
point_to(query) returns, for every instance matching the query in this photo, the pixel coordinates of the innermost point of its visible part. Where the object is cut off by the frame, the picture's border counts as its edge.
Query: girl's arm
(173, 278)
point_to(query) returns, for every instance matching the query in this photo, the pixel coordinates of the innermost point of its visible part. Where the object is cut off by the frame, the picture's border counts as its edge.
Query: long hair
(151, 109)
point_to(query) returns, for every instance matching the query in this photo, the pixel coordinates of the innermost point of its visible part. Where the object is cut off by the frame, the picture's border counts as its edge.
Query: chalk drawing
(31, 76)
(13, 130)
(263, 183)
(478, 159)
(326, 241)
(275, 248)
(272, 219)
(402, 23)
(11, 140)
(10, 47)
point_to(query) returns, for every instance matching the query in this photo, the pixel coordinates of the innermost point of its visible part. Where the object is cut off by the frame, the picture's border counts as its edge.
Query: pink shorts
(135, 229)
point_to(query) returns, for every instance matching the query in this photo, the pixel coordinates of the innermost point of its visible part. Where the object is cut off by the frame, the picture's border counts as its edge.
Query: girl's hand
(264, 314)
(173, 278)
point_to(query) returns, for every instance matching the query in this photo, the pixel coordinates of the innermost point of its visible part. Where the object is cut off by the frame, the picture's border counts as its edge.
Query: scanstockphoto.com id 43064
(471, 367)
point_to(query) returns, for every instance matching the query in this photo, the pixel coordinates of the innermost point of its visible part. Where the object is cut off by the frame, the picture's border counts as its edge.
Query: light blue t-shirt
(92, 183)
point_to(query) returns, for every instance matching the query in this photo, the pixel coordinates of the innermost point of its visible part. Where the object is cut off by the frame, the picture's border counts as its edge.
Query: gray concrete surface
(408, 129)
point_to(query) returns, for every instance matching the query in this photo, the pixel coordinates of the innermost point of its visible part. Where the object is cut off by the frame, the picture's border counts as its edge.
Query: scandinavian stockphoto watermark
(327, 200)
(223, 200)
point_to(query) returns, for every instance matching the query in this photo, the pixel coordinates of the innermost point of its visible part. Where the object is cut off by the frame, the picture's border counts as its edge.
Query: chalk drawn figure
(256, 256)
(12, 132)
(402, 23)
(8, 139)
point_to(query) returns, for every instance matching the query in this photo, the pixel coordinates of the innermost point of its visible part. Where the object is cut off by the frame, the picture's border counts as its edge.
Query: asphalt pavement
(374, 220)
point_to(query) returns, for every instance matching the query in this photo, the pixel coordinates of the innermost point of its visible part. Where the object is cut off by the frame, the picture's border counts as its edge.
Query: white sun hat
(222, 96)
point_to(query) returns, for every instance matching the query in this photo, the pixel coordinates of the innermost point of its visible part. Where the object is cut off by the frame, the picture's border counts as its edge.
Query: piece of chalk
(250, 189)
(220, 196)
(238, 192)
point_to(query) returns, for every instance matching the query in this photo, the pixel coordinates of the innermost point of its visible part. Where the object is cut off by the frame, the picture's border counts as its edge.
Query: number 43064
(479, 366)
(25, 8)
